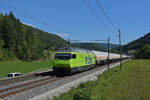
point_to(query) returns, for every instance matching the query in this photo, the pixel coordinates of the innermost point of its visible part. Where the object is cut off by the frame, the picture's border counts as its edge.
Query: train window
(63, 56)
(73, 55)
(13, 74)
(10, 75)
(17, 74)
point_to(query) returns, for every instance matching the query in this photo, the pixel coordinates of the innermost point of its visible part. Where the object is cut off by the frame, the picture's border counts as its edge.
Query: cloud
(62, 35)
(29, 24)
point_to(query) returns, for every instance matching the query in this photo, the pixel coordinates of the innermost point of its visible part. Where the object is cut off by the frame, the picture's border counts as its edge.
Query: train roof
(71, 49)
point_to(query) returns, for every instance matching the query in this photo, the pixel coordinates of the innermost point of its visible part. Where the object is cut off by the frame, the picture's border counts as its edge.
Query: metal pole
(68, 42)
(108, 51)
(120, 48)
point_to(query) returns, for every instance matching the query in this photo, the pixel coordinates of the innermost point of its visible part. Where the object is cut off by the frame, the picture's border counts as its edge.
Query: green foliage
(94, 46)
(136, 45)
(131, 83)
(85, 91)
(105, 45)
(144, 52)
(51, 41)
(82, 94)
(89, 46)
(19, 41)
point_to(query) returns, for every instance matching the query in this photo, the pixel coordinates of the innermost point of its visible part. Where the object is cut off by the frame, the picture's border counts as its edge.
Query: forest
(138, 43)
(95, 46)
(24, 42)
(20, 41)
(138, 48)
(144, 52)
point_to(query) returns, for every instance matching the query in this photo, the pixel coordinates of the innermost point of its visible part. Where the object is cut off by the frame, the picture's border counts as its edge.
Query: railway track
(6, 92)
(37, 80)
(9, 81)
(12, 86)
(16, 79)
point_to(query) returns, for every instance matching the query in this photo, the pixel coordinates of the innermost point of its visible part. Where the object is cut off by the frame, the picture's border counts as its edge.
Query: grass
(131, 83)
(22, 66)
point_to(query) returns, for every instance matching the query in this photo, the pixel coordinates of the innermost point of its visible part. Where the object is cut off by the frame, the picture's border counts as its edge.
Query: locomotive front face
(62, 59)
(73, 61)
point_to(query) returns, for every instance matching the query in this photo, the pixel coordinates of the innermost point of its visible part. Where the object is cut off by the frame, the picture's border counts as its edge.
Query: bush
(84, 91)
(144, 52)
(82, 94)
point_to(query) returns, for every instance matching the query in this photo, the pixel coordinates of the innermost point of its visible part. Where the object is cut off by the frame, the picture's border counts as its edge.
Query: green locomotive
(70, 60)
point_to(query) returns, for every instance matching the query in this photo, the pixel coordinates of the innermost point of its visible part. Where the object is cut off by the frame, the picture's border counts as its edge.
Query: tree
(24, 42)
(1, 51)
(144, 52)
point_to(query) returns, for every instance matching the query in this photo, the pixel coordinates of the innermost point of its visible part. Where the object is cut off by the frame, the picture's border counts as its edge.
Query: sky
(132, 17)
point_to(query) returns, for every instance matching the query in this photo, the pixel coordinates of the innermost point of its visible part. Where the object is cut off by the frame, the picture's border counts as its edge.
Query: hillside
(105, 45)
(19, 41)
(135, 45)
(89, 46)
(94, 46)
(50, 40)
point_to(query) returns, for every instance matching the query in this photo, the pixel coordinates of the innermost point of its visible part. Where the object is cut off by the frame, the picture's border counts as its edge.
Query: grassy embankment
(22, 66)
(131, 83)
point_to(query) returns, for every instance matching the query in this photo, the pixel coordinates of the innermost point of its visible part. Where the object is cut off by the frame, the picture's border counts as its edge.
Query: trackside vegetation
(137, 44)
(131, 83)
(22, 66)
(144, 52)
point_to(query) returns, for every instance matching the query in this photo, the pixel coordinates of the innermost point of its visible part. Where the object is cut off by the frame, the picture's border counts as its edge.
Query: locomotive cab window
(74, 56)
(17, 74)
(63, 56)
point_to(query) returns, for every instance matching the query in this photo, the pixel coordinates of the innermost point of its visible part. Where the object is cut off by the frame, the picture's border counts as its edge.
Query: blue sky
(131, 16)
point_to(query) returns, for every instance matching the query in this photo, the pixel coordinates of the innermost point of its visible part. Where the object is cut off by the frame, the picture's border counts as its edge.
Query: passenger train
(71, 60)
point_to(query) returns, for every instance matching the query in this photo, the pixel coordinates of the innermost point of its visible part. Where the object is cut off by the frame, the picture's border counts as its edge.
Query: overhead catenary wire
(24, 14)
(33, 18)
(88, 41)
(6, 8)
(96, 15)
(105, 14)
(107, 17)
(98, 40)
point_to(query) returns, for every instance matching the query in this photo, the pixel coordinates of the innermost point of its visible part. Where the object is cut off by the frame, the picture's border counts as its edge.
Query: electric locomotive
(71, 60)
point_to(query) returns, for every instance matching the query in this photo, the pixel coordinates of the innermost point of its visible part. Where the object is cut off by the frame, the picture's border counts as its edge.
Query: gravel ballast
(74, 81)
(60, 86)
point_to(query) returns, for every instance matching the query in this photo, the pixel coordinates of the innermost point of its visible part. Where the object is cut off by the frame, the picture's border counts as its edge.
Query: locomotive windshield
(63, 56)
